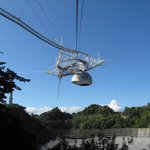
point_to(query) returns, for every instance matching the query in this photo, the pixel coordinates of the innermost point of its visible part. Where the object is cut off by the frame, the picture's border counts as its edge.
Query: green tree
(56, 119)
(7, 82)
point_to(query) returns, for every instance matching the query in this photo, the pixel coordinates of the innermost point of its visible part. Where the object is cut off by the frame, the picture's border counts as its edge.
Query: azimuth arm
(21, 23)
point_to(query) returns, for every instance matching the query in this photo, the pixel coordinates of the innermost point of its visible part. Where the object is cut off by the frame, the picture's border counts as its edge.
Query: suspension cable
(80, 26)
(21, 11)
(76, 24)
(11, 6)
(46, 16)
(21, 23)
(38, 17)
(58, 91)
(68, 94)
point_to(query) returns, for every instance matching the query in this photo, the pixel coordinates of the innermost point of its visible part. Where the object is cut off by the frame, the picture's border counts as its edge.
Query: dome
(82, 79)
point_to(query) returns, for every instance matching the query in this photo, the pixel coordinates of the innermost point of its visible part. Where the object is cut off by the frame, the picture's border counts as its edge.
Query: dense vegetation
(98, 117)
(18, 130)
(56, 119)
(24, 131)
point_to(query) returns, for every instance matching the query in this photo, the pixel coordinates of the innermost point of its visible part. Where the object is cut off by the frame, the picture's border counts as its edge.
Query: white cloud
(114, 105)
(38, 111)
(73, 109)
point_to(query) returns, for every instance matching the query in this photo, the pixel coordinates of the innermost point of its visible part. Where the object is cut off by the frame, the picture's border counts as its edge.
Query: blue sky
(119, 30)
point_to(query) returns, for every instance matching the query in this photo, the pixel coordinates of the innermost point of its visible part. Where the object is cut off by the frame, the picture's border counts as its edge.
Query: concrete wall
(139, 132)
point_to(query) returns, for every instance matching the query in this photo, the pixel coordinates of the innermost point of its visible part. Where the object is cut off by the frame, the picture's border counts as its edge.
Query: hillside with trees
(137, 117)
(31, 131)
(98, 117)
(56, 119)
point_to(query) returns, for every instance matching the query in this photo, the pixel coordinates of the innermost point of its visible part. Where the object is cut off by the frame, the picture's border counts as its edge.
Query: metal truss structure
(69, 62)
